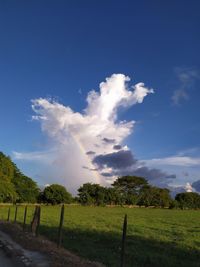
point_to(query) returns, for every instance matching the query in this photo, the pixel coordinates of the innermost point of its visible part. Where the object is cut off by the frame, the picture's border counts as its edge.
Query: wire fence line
(29, 217)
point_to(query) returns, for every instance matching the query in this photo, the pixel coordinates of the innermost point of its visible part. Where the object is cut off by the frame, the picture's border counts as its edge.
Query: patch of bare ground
(58, 257)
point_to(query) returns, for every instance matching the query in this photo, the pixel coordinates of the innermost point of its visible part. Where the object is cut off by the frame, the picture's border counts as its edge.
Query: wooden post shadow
(123, 242)
(16, 209)
(8, 218)
(36, 221)
(25, 214)
(60, 226)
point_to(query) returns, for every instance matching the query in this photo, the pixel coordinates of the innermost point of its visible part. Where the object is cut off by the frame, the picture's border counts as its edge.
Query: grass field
(155, 237)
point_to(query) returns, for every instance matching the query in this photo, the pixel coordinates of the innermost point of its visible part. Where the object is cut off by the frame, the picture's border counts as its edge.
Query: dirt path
(5, 261)
(56, 257)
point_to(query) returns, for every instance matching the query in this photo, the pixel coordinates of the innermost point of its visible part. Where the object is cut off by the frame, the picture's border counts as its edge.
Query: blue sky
(64, 49)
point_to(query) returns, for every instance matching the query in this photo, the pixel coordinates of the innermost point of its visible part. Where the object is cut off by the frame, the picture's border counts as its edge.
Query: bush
(55, 194)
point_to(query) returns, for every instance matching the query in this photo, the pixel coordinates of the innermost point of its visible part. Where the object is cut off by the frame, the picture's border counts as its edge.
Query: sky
(92, 90)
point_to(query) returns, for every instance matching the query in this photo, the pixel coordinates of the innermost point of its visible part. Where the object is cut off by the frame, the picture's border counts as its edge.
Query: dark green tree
(190, 200)
(14, 185)
(56, 194)
(129, 188)
(7, 192)
(114, 197)
(92, 194)
(7, 189)
(154, 196)
(26, 189)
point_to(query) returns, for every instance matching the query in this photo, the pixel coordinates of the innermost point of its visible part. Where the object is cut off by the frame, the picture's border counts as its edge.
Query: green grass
(155, 237)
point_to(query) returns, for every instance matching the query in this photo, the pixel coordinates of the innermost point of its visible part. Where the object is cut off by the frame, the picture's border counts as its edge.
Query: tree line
(15, 187)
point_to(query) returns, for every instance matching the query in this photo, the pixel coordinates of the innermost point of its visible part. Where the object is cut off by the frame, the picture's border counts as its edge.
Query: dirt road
(5, 261)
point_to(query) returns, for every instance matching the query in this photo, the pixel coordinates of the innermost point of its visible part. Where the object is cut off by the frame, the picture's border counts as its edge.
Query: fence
(30, 216)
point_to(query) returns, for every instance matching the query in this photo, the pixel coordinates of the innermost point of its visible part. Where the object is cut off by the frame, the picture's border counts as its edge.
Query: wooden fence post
(60, 226)
(38, 221)
(8, 219)
(35, 220)
(16, 209)
(25, 213)
(123, 241)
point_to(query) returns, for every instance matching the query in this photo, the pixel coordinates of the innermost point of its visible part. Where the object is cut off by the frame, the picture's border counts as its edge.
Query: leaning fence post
(8, 219)
(16, 209)
(60, 226)
(35, 220)
(38, 221)
(25, 213)
(123, 241)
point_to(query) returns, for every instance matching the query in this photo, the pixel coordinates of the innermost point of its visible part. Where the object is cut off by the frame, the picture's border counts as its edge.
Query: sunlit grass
(155, 237)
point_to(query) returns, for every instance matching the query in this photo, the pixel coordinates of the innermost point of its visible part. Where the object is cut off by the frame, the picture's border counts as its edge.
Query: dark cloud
(106, 174)
(186, 174)
(154, 176)
(170, 176)
(90, 169)
(90, 153)
(124, 163)
(116, 160)
(196, 185)
(109, 141)
(117, 147)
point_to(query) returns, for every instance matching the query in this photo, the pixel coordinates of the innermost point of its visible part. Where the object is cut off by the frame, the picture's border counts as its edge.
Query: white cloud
(188, 187)
(36, 156)
(174, 161)
(73, 134)
(186, 78)
(178, 95)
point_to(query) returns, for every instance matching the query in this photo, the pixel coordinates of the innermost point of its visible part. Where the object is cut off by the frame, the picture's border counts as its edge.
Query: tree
(92, 194)
(154, 196)
(7, 189)
(26, 189)
(161, 197)
(146, 196)
(14, 185)
(129, 187)
(56, 194)
(190, 200)
(7, 168)
(7, 192)
(114, 197)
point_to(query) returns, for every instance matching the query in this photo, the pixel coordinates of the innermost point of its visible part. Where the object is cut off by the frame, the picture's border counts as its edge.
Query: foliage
(154, 196)
(130, 184)
(7, 192)
(190, 200)
(126, 190)
(26, 189)
(14, 186)
(130, 187)
(92, 194)
(174, 204)
(55, 194)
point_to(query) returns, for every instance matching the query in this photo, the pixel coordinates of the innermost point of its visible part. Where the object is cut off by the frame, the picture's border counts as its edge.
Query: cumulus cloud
(186, 78)
(89, 138)
(188, 187)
